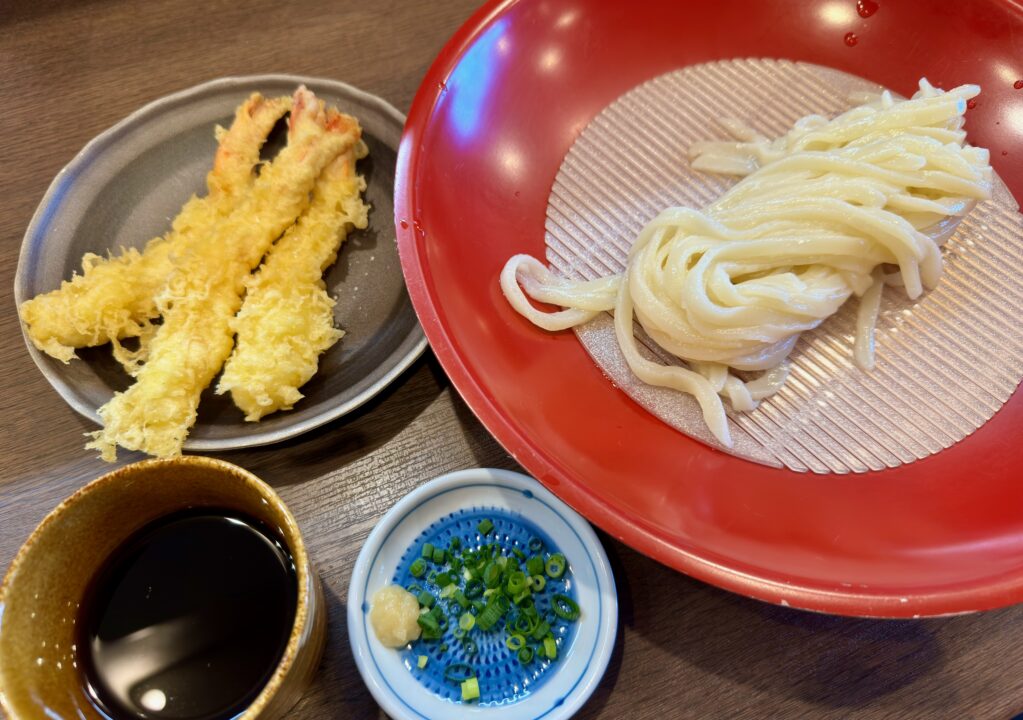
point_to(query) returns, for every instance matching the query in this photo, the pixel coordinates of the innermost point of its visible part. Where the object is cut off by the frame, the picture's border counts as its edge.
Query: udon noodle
(834, 208)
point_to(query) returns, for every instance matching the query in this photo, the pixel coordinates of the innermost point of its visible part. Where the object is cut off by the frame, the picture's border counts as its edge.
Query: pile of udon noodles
(192, 298)
(834, 208)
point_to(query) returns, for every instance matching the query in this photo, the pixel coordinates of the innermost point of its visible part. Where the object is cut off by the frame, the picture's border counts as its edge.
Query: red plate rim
(987, 593)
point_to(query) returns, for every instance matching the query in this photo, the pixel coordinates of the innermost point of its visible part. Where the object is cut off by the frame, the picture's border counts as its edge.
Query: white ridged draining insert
(945, 363)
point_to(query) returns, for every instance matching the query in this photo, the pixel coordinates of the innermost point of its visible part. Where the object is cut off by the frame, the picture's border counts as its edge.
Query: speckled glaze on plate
(126, 185)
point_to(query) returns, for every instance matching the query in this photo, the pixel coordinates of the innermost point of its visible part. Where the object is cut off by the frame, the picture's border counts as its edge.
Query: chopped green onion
(534, 566)
(514, 642)
(565, 607)
(418, 568)
(516, 583)
(541, 630)
(522, 625)
(489, 617)
(496, 607)
(474, 585)
(492, 575)
(458, 672)
(550, 647)
(428, 623)
(470, 689)
(555, 566)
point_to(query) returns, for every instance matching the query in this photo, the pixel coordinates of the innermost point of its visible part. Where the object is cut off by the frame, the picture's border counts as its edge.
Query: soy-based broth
(188, 619)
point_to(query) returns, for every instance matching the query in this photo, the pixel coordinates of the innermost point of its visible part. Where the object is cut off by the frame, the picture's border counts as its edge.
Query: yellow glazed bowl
(39, 676)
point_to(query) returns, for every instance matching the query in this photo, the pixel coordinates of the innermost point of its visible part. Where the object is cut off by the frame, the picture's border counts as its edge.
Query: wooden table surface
(68, 70)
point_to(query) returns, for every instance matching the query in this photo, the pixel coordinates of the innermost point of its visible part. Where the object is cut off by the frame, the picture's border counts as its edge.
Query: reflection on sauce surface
(189, 618)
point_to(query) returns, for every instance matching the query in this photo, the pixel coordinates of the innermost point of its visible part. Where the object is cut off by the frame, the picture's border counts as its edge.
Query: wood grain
(68, 70)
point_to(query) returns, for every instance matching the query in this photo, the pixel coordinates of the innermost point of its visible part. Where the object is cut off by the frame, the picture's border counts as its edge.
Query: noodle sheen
(834, 208)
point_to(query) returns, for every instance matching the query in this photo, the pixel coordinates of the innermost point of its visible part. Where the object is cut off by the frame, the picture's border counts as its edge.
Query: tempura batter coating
(287, 319)
(114, 297)
(205, 288)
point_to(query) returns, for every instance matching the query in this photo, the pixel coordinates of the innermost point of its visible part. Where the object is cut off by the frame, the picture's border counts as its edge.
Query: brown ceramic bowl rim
(296, 545)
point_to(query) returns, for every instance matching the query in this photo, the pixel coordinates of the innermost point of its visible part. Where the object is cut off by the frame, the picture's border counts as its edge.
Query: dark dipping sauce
(188, 618)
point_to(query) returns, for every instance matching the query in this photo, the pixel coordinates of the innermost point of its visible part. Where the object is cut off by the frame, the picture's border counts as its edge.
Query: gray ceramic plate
(124, 187)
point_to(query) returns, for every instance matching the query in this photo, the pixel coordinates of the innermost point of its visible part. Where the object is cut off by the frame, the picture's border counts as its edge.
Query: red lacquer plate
(488, 129)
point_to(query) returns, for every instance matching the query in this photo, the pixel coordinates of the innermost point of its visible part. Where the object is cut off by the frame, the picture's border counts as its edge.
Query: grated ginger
(115, 296)
(287, 319)
(204, 290)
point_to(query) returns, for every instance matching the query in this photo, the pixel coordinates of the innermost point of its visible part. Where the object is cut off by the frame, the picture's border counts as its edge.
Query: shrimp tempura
(287, 320)
(115, 297)
(204, 292)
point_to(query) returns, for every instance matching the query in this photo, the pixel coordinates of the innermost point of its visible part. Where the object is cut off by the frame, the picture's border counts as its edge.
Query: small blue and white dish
(522, 512)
